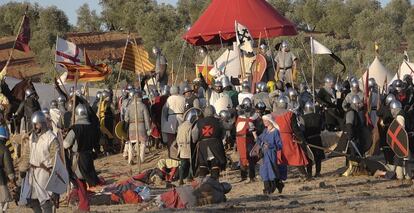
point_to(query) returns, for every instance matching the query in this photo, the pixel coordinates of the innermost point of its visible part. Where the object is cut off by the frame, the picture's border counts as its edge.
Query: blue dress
(268, 167)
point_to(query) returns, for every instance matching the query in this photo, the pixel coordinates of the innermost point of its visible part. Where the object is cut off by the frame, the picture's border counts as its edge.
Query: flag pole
(60, 80)
(254, 74)
(17, 36)
(122, 62)
(313, 74)
(143, 70)
(271, 53)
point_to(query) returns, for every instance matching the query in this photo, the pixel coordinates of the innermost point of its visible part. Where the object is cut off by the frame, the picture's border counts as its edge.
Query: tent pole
(313, 75)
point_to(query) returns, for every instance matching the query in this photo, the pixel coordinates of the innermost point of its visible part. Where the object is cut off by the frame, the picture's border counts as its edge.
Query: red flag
(22, 41)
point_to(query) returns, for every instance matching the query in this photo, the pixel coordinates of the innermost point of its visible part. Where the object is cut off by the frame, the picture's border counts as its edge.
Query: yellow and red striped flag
(86, 73)
(136, 59)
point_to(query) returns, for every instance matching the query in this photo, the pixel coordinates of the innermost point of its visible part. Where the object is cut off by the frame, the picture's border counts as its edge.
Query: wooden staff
(74, 96)
(122, 62)
(15, 40)
(313, 75)
(137, 134)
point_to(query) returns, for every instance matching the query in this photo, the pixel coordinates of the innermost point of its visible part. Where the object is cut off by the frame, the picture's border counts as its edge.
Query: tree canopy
(348, 27)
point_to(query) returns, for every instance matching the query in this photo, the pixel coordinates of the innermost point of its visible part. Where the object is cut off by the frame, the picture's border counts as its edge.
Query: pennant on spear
(21, 42)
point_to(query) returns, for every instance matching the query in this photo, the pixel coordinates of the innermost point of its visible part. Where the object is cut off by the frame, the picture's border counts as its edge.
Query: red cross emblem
(207, 131)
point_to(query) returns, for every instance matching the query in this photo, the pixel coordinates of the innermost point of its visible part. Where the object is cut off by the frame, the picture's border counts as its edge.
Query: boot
(272, 187)
(318, 167)
(243, 174)
(279, 185)
(266, 186)
(215, 173)
(202, 171)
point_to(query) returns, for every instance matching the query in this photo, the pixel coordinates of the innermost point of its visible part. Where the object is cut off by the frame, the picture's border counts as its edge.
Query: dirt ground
(330, 193)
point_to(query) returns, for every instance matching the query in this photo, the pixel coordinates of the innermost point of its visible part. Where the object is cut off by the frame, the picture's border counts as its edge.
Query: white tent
(233, 64)
(377, 71)
(405, 68)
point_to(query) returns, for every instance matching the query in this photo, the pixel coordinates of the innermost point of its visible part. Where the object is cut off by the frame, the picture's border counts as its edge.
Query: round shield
(120, 132)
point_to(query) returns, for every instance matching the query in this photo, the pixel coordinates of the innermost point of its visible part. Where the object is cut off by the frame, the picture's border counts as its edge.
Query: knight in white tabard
(245, 93)
(55, 115)
(172, 115)
(42, 149)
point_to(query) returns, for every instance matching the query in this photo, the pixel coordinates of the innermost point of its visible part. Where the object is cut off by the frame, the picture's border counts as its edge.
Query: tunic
(291, 154)
(184, 140)
(274, 144)
(313, 125)
(143, 119)
(244, 137)
(42, 153)
(82, 139)
(172, 114)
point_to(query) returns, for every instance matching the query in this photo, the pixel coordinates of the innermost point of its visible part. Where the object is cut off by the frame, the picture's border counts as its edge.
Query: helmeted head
(131, 93)
(303, 87)
(263, 48)
(187, 90)
(247, 104)
(292, 94)
(285, 45)
(261, 87)
(218, 86)
(165, 90)
(124, 93)
(309, 107)
(408, 79)
(81, 111)
(174, 90)
(329, 81)
(245, 86)
(260, 107)
(356, 103)
(282, 102)
(192, 115)
(203, 51)
(225, 115)
(271, 86)
(372, 84)
(395, 107)
(209, 111)
(39, 122)
(399, 85)
(53, 104)
(106, 95)
(29, 92)
(98, 95)
(156, 50)
(389, 99)
(280, 85)
(225, 81)
(355, 86)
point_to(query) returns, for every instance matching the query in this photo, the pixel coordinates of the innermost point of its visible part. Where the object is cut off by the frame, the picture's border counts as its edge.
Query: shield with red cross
(397, 138)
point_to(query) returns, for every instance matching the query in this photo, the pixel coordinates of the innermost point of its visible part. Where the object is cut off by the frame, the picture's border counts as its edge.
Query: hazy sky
(70, 6)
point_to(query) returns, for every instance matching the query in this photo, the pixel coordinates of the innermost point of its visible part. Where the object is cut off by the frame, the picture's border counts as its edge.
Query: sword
(355, 147)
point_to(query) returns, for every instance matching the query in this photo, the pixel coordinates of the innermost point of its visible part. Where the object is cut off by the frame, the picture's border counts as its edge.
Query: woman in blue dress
(270, 142)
